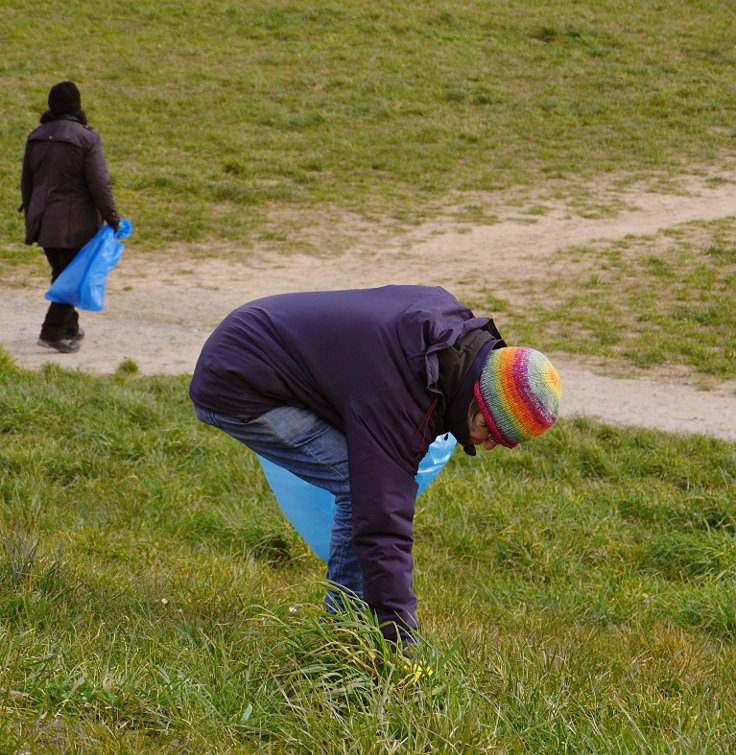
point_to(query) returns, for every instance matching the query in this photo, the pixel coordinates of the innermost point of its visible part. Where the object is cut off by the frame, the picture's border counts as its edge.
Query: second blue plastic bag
(311, 509)
(82, 283)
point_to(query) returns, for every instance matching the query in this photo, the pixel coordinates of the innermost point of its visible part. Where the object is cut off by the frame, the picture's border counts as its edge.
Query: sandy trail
(160, 319)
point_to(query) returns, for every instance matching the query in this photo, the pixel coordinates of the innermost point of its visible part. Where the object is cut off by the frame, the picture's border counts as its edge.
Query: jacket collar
(459, 397)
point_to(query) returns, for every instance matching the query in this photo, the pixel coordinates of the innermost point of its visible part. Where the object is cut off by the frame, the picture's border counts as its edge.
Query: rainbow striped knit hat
(518, 393)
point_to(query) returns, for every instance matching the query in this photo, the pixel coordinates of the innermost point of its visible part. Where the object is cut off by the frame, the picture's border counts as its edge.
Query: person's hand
(115, 224)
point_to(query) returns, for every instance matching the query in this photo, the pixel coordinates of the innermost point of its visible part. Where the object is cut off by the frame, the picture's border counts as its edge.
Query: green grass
(575, 595)
(238, 121)
(650, 301)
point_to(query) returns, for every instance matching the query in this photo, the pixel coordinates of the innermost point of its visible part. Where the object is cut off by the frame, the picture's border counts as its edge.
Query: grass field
(576, 595)
(214, 114)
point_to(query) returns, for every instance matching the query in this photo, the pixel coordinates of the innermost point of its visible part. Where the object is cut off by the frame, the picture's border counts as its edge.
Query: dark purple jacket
(65, 185)
(366, 362)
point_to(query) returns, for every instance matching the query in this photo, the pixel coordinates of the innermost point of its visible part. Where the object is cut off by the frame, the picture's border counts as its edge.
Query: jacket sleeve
(98, 181)
(383, 493)
(26, 180)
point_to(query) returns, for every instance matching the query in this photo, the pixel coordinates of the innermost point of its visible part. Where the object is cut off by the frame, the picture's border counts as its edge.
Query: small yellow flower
(417, 670)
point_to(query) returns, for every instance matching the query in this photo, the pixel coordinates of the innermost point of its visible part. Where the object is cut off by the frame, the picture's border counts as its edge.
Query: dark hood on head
(460, 367)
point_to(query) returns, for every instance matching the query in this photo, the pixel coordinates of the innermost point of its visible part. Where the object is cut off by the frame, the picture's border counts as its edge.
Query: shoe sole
(59, 348)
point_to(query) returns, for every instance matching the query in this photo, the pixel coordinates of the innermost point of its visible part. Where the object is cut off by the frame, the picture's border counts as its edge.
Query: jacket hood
(456, 417)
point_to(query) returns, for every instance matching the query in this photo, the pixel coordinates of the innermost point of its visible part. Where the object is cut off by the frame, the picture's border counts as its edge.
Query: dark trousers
(62, 320)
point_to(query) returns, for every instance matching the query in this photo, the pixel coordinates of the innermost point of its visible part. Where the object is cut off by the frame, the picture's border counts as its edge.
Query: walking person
(347, 389)
(66, 195)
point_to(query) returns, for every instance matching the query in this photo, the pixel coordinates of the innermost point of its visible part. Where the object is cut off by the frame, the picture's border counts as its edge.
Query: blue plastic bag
(311, 509)
(82, 282)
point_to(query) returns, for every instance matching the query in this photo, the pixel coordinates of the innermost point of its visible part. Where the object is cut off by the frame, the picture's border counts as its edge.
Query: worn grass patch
(654, 300)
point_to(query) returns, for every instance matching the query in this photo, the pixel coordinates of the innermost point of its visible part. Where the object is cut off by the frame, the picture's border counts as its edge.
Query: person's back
(328, 349)
(63, 167)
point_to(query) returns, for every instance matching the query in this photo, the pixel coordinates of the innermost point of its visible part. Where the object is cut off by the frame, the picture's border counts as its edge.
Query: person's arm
(26, 180)
(100, 186)
(383, 493)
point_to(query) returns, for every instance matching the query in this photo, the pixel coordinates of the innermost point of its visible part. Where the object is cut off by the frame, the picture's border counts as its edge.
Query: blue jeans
(299, 441)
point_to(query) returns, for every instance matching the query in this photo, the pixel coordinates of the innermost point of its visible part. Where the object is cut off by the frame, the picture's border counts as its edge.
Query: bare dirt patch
(161, 307)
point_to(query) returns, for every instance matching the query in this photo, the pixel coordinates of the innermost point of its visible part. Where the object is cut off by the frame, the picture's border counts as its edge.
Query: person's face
(479, 434)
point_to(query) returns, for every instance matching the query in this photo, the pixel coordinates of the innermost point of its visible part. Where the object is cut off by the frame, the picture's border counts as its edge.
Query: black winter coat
(65, 185)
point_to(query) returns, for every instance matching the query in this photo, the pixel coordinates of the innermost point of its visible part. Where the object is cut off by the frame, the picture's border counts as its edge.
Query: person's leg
(299, 441)
(61, 321)
(343, 568)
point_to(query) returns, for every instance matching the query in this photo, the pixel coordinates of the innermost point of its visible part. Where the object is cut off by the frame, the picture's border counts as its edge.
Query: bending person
(347, 389)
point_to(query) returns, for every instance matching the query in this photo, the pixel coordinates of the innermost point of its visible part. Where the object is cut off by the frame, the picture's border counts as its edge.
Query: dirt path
(160, 320)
